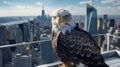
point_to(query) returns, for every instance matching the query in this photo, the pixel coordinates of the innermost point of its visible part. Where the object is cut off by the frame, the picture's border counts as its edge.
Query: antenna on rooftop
(43, 4)
(91, 2)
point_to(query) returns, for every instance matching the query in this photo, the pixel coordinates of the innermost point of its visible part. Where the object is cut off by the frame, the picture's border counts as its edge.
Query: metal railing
(23, 43)
(108, 40)
(51, 64)
(56, 63)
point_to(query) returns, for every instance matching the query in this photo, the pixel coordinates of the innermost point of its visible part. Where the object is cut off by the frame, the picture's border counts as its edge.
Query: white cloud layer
(113, 2)
(39, 3)
(72, 9)
(23, 7)
(6, 2)
(27, 10)
(85, 2)
(108, 10)
(20, 10)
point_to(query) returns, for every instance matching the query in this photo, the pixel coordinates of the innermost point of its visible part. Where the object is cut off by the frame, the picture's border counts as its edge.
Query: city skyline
(76, 7)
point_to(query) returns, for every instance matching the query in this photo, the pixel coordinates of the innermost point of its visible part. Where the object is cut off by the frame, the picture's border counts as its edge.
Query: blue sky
(76, 7)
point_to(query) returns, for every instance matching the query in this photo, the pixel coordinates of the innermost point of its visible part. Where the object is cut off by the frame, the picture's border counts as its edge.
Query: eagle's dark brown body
(77, 46)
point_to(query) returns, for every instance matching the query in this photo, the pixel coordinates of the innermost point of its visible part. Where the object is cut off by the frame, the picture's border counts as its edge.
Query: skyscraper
(43, 11)
(1, 58)
(105, 17)
(43, 22)
(91, 20)
(25, 31)
(6, 53)
(19, 36)
(3, 35)
(112, 23)
(22, 61)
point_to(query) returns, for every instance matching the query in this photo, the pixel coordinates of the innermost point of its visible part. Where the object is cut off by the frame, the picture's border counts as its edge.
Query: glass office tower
(91, 21)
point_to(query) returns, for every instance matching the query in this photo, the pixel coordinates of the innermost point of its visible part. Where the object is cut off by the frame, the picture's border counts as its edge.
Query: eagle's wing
(78, 46)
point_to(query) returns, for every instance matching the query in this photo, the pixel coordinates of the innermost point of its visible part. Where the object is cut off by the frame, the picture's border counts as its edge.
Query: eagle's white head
(62, 21)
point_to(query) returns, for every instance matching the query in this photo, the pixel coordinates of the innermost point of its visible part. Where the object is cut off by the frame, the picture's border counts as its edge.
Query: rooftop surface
(112, 58)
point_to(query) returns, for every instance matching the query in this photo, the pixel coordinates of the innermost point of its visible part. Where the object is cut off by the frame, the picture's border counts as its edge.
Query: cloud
(85, 2)
(72, 9)
(76, 10)
(17, 6)
(39, 3)
(27, 10)
(119, 7)
(23, 7)
(6, 2)
(108, 10)
(33, 10)
(20, 10)
(113, 2)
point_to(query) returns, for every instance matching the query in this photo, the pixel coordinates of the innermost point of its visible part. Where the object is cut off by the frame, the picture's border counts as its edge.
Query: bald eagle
(72, 44)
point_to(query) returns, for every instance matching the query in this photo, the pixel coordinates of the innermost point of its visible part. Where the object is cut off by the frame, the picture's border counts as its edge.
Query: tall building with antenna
(43, 11)
(43, 21)
(91, 20)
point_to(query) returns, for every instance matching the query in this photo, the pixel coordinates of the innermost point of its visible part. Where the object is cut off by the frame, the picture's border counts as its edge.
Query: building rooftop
(112, 58)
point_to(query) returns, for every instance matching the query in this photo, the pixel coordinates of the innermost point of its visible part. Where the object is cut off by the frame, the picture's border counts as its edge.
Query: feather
(78, 46)
(72, 44)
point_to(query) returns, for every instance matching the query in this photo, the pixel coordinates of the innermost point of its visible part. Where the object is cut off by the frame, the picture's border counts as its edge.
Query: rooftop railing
(23, 43)
(58, 62)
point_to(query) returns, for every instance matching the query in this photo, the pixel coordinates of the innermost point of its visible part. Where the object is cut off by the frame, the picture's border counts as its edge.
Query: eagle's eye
(54, 17)
(66, 16)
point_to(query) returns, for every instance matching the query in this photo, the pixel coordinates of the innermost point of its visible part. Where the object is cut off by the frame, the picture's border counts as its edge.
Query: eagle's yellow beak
(59, 20)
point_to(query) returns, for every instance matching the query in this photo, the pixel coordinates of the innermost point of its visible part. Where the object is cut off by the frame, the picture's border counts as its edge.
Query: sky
(76, 7)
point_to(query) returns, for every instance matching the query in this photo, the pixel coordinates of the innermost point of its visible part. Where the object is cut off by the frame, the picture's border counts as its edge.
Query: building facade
(91, 20)
(22, 61)
(1, 63)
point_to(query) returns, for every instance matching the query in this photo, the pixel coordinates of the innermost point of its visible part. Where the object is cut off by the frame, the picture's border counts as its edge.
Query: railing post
(108, 41)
